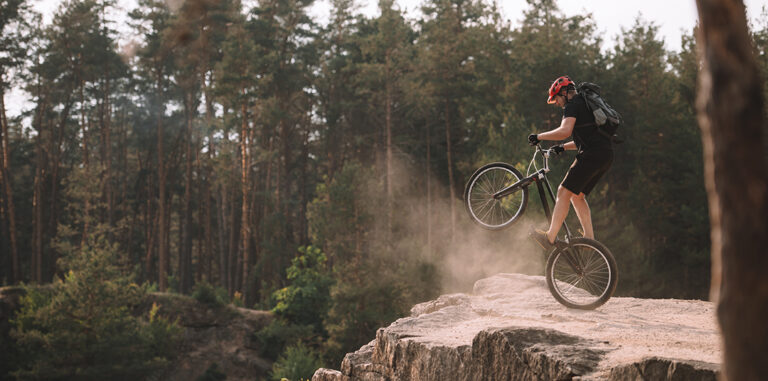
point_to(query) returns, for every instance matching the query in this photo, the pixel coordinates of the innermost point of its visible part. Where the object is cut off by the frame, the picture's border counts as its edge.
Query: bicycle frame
(539, 177)
(572, 263)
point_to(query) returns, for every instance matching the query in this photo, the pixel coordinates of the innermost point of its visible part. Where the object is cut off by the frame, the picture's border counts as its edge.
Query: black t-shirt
(585, 133)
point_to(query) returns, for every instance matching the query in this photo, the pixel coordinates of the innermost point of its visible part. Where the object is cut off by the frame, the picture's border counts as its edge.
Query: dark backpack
(607, 119)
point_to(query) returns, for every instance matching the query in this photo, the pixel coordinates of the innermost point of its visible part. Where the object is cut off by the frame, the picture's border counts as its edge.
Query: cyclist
(593, 159)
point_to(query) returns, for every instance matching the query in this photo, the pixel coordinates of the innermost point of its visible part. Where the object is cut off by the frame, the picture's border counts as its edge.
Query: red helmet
(557, 86)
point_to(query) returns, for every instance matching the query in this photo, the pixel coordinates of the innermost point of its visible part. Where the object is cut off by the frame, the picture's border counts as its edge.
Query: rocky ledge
(510, 328)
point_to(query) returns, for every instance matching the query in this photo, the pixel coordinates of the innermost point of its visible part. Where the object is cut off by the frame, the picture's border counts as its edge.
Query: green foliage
(214, 297)
(359, 309)
(307, 299)
(279, 334)
(301, 307)
(368, 291)
(297, 363)
(82, 326)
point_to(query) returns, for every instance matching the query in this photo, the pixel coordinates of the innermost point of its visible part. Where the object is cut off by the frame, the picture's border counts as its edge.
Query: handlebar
(545, 153)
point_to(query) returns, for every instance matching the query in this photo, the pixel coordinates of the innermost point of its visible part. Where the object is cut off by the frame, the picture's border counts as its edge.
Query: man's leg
(585, 216)
(559, 212)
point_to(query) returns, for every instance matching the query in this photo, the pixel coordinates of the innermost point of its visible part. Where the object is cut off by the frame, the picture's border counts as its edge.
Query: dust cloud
(422, 226)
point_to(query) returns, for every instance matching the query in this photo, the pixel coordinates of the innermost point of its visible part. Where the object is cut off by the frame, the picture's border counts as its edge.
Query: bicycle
(580, 272)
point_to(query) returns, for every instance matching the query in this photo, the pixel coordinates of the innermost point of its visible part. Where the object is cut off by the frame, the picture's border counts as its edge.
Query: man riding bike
(594, 157)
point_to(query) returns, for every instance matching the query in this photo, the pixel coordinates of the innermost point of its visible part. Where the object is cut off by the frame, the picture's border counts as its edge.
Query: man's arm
(570, 146)
(560, 133)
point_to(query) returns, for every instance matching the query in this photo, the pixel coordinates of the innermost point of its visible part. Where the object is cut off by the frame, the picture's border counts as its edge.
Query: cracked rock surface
(510, 328)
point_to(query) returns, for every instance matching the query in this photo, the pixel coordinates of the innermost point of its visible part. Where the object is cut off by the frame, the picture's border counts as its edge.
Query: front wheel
(483, 208)
(582, 275)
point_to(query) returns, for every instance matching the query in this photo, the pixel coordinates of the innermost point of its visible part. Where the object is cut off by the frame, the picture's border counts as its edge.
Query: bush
(278, 334)
(307, 299)
(298, 362)
(209, 295)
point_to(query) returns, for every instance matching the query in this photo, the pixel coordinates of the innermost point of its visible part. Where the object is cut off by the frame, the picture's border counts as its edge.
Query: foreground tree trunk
(731, 117)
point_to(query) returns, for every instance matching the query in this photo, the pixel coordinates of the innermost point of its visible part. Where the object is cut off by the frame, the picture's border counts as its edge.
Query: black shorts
(586, 170)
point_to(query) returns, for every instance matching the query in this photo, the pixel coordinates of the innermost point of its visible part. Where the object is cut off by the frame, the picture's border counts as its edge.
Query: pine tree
(14, 32)
(155, 62)
(81, 326)
(388, 55)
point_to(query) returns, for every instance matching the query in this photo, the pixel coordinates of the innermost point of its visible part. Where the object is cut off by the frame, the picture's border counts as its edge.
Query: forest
(316, 169)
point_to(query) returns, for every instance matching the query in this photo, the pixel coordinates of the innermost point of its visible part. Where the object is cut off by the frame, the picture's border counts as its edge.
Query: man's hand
(558, 149)
(533, 139)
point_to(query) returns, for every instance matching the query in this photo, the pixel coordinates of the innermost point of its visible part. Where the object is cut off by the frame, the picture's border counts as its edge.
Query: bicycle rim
(483, 208)
(583, 275)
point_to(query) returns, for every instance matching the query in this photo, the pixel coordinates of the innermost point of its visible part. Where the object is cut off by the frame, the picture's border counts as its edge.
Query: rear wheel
(488, 212)
(582, 275)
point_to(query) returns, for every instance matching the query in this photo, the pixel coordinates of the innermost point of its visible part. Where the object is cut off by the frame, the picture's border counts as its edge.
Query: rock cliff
(220, 336)
(510, 328)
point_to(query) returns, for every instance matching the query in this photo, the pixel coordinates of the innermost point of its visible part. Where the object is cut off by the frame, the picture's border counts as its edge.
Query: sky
(673, 17)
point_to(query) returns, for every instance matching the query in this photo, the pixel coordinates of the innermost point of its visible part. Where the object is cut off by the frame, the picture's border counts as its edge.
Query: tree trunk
(731, 117)
(388, 124)
(108, 155)
(185, 252)
(37, 207)
(245, 228)
(205, 252)
(54, 165)
(86, 164)
(162, 234)
(5, 255)
(5, 180)
(234, 260)
(429, 193)
(302, 218)
(452, 199)
(148, 224)
(253, 212)
(222, 220)
(224, 230)
(123, 144)
(206, 79)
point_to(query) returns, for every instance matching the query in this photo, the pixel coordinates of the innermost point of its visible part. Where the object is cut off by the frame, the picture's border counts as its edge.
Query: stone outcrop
(510, 328)
(220, 335)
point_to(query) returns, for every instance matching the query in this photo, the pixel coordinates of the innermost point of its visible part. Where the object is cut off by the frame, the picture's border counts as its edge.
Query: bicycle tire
(593, 286)
(486, 211)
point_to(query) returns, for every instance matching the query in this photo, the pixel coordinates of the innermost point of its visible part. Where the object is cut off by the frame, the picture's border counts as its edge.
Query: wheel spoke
(487, 210)
(581, 275)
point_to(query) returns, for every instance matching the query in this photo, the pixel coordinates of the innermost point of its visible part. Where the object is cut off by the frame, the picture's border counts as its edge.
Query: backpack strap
(598, 129)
